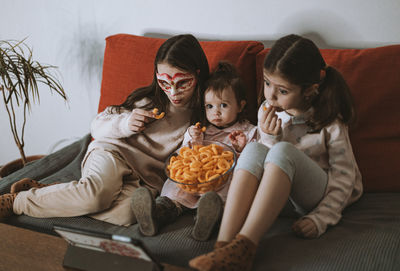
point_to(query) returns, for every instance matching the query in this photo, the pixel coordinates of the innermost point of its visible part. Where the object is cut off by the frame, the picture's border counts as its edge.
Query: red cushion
(373, 76)
(128, 65)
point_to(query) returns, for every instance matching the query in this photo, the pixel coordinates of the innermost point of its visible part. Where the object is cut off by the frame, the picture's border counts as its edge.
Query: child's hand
(138, 119)
(305, 227)
(238, 140)
(270, 123)
(195, 132)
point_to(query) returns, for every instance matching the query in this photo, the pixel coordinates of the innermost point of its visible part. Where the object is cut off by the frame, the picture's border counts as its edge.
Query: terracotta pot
(17, 164)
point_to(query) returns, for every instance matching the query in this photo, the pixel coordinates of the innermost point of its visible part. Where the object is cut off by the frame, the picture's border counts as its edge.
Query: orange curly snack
(158, 116)
(203, 129)
(197, 169)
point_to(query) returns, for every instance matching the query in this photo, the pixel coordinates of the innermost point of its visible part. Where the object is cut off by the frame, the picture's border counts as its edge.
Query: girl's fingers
(143, 115)
(277, 126)
(272, 123)
(270, 114)
(265, 113)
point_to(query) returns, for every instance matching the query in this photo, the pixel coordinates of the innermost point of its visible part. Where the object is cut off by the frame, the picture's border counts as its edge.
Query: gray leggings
(308, 179)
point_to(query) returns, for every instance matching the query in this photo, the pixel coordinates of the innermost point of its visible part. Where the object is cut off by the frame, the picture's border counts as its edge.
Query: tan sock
(6, 205)
(237, 255)
(220, 244)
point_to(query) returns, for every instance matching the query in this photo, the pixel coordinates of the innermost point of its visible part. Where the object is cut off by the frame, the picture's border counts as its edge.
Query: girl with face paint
(130, 146)
(224, 102)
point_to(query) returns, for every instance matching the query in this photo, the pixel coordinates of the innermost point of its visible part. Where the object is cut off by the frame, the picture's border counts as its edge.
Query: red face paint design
(178, 83)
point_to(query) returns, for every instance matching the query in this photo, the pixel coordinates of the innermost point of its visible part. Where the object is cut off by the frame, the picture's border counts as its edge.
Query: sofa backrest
(129, 59)
(373, 75)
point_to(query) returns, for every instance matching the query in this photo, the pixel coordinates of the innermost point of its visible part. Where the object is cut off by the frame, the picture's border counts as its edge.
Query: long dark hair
(300, 62)
(183, 52)
(225, 76)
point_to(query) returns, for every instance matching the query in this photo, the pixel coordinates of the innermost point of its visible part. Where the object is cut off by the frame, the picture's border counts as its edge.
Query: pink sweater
(331, 149)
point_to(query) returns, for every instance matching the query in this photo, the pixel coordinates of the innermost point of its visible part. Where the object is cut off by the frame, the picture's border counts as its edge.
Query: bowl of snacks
(200, 168)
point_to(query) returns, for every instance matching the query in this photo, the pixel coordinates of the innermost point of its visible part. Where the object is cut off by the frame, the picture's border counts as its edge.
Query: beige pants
(103, 192)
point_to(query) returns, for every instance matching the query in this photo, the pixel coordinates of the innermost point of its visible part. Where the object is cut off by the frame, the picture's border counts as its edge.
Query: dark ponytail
(334, 100)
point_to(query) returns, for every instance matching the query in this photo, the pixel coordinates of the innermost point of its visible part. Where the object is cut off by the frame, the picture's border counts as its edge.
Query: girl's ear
(311, 91)
(242, 105)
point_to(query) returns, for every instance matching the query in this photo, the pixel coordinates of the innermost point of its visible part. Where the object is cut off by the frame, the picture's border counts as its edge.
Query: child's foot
(144, 208)
(208, 215)
(238, 255)
(220, 244)
(6, 205)
(26, 184)
(152, 214)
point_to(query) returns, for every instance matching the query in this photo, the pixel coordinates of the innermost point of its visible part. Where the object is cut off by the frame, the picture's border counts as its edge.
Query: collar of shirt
(300, 119)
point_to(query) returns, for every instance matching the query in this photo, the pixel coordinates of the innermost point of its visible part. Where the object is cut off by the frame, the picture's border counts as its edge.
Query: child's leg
(308, 179)
(288, 171)
(99, 186)
(240, 197)
(120, 212)
(238, 254)
(271, 197)
(26, 184)
(242, 190)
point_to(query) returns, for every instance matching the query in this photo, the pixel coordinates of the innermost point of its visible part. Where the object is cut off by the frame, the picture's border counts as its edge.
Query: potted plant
(20, 77)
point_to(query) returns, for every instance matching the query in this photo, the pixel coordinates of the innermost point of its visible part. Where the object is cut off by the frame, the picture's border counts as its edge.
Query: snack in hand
(158, 116)
(198, 125)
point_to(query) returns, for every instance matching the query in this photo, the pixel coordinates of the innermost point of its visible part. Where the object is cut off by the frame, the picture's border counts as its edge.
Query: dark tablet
(92, 250)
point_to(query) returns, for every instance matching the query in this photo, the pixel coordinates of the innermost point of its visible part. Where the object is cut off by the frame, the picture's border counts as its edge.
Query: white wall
(70, 34)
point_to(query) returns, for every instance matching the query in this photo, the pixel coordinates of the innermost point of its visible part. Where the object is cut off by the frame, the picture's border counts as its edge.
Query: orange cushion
(128, 65)
(373, 76)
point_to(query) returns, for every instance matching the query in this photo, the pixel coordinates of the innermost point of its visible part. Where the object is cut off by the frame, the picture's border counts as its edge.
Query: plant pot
(17, 164)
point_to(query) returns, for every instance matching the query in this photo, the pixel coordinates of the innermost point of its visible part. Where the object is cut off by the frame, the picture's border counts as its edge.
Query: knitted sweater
(145, 152)
(331, 149)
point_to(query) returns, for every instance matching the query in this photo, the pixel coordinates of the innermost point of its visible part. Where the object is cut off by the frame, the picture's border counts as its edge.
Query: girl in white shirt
(303, 160)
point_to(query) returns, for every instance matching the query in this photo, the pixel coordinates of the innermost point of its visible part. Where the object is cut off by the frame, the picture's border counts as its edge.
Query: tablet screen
(117, 244)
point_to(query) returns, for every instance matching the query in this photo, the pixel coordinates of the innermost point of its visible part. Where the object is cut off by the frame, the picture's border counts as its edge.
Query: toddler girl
(224, 102)
(130, 146)
(303, 160)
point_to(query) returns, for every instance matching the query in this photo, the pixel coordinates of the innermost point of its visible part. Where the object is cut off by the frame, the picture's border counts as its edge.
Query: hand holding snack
(195, 131)
(198, 125)
(270, 123)
(138, 119)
